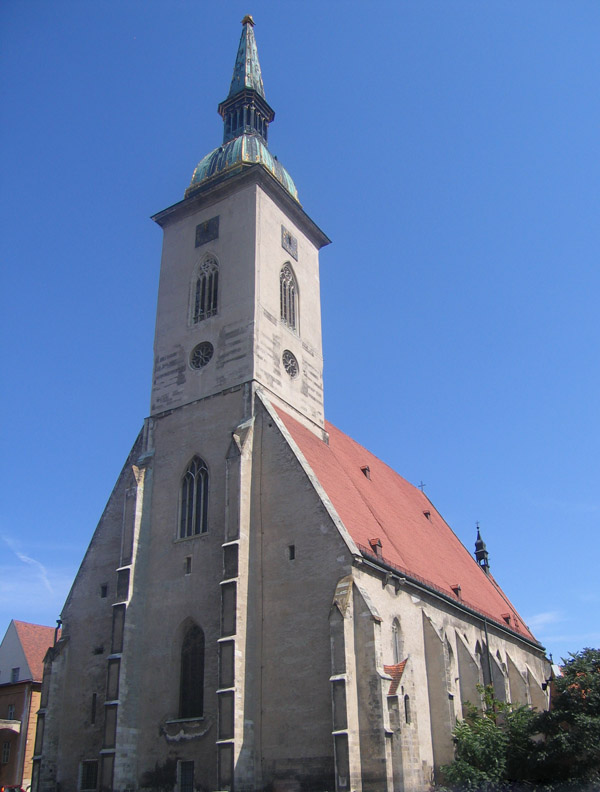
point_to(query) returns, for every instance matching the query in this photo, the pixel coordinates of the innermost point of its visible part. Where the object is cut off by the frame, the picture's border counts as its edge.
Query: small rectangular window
(89, 777)
(11, 712)
(188, 565)
(5, 752)
(291, 552)
(104, 591)
(186, 777)
(14, 674)
(93, 712)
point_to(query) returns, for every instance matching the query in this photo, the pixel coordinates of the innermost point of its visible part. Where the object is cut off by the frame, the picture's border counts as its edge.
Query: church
(264, 604)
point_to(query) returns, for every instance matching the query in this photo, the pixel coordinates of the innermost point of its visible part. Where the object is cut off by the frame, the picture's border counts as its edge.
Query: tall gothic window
(396, 642)
(191, 681)
(288, 297)
(193, 517)
(206, 290)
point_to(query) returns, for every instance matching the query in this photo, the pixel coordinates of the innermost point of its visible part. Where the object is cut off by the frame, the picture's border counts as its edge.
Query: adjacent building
(264, 603)
(22, 654)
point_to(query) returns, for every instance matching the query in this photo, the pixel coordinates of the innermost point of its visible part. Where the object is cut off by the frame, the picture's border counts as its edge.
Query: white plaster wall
(231, 330)
(12, 656)
(272, 336)
(409, 606)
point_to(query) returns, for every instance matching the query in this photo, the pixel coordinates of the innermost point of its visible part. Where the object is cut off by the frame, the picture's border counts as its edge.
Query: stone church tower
(264, 603)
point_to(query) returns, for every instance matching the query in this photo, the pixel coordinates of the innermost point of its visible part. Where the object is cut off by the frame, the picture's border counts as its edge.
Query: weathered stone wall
(297, 557)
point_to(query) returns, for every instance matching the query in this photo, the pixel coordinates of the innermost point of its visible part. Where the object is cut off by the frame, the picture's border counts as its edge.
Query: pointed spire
(246, 111)
(481, 554)
(246, 72)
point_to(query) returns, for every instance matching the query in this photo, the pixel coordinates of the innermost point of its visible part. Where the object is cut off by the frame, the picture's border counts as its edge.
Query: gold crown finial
(247, 20)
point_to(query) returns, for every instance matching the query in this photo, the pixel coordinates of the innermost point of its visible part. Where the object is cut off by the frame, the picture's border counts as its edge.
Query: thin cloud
(43, 574)
(540, 620)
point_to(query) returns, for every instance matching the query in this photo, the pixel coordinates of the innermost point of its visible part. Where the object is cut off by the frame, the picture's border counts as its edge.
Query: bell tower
(239, 298)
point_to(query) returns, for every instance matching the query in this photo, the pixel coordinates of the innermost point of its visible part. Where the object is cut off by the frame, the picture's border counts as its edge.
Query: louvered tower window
(206, 290)
(288, 291)
(194, 500)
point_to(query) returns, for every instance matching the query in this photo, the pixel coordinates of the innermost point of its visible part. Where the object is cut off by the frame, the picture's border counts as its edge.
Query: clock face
(201, 355)
(290, 364)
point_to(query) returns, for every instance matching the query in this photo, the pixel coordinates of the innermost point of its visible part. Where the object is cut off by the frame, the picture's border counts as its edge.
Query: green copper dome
(246, 117)
(237, 154)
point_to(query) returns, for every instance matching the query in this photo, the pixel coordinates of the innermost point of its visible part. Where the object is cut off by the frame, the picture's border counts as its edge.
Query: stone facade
(240, 638)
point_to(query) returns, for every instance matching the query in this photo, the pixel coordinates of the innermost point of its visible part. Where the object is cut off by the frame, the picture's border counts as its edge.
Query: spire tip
(247, 20)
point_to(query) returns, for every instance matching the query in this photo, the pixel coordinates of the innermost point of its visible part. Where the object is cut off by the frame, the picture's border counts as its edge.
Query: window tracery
(193, 518)
(288, 297)
(206, 289)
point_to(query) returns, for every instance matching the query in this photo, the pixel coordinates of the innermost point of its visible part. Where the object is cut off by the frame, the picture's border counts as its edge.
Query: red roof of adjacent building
(376, 504)
(395, 671)
(35, 640)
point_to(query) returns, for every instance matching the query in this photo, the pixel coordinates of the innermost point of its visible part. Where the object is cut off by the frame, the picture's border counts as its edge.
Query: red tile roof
(35, 640)
(414, 537)
(395, 671)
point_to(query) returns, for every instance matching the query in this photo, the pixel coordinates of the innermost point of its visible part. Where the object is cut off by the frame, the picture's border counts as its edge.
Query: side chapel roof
(376, 504)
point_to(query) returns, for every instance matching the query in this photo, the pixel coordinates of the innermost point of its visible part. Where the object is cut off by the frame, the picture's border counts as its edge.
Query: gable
(376, 505)
(24, 647)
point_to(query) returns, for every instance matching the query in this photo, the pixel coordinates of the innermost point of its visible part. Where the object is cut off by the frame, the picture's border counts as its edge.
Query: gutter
(379, 567)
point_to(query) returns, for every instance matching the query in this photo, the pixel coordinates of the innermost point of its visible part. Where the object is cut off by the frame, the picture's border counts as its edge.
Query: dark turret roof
(246, 117)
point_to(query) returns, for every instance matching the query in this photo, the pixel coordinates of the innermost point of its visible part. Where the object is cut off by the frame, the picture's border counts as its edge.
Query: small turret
(481, 554)
(246, 111)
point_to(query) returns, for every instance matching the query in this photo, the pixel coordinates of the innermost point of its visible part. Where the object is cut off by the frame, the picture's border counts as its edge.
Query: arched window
(396, 642)
(288, 291)
(193, 505)
(191, 681)
(407, 709)
(206, 290)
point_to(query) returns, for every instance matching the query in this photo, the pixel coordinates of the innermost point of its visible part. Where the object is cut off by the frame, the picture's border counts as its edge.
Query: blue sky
(449, 149)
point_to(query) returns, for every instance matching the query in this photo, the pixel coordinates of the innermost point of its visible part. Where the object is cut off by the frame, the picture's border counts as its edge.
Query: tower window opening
(288, 290)
(291, 552)
(193, 518)
(206, 290)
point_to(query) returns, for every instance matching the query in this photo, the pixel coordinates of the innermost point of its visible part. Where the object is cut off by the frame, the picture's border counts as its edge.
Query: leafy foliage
(505, 747)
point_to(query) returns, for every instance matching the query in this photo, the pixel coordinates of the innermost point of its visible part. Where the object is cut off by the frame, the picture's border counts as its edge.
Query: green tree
(505, 747)
(570, 748)
(492, 746)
